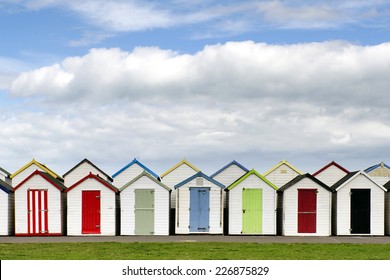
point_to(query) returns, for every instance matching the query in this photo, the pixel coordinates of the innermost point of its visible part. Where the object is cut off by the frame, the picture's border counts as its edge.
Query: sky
(208, 81)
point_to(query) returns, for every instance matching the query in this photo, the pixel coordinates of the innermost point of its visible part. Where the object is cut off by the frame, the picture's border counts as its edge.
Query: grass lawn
(193, 251)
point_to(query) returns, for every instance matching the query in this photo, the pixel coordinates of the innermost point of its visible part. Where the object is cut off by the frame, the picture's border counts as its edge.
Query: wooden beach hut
(331, 173)
(358, 205)
(7, 219)
(199, 205)
(40, 206)
(145, 205)
(92, 207)
(252, 205)
(305, 205)
(282, 173)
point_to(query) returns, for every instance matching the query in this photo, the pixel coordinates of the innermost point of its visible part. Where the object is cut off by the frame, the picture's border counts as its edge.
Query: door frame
(197, 212)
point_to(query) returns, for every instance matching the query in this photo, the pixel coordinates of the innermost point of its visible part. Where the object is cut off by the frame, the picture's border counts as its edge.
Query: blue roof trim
(135, 161)
(200, 174)
(375, 167)
(227, 166)
(5, 187)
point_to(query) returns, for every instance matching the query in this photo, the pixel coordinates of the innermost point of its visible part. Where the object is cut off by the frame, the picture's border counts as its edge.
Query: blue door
(199, 209)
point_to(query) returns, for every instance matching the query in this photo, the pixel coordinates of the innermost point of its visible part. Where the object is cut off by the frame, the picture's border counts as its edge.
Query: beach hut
(282, 173)
(199, 205)
(145, 206)
(331, 173)
(82, 169)
(40, 206)
(358, 205)
(6, 208)
(18, 176)
(252, 205)
(92, 207)
(379, 172)
(305, 204)
(129, 172)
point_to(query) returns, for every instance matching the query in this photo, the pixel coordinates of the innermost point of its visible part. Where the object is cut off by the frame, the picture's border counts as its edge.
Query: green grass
(192, 251)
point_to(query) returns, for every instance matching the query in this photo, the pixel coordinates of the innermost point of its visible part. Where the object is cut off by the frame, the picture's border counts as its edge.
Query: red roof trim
(328, 165)
(97, 178)
(37, 172)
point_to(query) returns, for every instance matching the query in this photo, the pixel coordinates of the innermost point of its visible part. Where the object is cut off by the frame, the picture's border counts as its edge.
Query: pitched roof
(329, 165)
(369, 169)
(177, 165)
(246, 175)
(42, 166)
(299, 178)
(94, 177)
(200, 174)
(90, 163)
(350, 176)
(135, 161)
(6, 187)
(227, 166)
(5, 171)
(55, 182)
(148, 175)
(283, 162)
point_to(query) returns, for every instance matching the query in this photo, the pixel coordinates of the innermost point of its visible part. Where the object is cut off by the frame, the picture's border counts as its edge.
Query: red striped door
(90, 212)
(307, 211)
(37, 212)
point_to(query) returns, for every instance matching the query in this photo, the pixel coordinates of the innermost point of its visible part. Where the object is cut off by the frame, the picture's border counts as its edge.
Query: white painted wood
(55, 205)
(290, 209)
(127, 175)
(107, 211)
(281, 175)
(175, 177)
(344, 204)
(331, 175)
(80, 172)
(161, 206)
(182, 221)
(269, 205)
(4, 213)
(24, 174)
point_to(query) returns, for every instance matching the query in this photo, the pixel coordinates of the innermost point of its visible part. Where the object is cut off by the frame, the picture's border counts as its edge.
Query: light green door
(252, 211)
(144, 212)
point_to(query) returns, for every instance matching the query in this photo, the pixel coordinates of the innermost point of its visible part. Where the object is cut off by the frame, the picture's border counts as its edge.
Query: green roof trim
(246, 175)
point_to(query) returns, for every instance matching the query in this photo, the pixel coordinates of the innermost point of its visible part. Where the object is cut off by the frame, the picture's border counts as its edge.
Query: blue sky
(209, 81)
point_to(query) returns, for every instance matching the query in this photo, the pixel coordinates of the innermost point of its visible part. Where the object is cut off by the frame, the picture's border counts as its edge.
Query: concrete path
(201, 238)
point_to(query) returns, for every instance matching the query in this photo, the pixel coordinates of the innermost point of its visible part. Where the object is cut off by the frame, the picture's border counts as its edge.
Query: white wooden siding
(4, 213)
(290, 209)
(24, 174)
(54, 199)
(107, 208)
(182, 209)
(228, 177)
(281, 175)
(344, 206)
(161, 207)
(269, 205)
(175, 177)
(331, 175)
(127, 175)
(80, 172)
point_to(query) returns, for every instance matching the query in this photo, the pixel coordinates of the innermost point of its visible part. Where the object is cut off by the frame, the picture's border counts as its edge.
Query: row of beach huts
(35, 201)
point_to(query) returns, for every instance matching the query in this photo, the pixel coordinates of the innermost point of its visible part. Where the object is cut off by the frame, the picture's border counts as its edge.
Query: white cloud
(239, 99)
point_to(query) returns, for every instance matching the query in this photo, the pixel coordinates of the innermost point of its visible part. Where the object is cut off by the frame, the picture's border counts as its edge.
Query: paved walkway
(200, 238)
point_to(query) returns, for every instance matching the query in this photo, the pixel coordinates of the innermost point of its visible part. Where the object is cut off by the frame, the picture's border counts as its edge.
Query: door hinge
(98, 226)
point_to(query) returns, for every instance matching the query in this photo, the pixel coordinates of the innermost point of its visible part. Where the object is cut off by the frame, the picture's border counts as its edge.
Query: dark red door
(307, 210)
(90, 212)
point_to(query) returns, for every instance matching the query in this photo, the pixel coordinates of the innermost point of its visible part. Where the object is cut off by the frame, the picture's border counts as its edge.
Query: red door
(307, 211)
(90, 212)
(37, 212)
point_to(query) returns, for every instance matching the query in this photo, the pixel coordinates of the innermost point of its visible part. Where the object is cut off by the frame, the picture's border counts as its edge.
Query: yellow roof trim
(280, 164)
(42, 166)
(177, 165)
